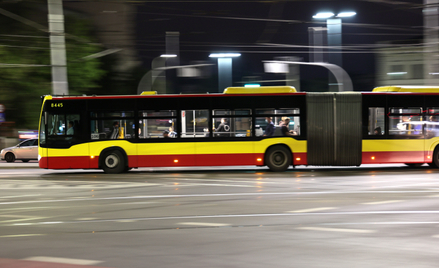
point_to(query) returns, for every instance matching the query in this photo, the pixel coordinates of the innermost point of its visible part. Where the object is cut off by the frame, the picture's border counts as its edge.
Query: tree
(28, 49)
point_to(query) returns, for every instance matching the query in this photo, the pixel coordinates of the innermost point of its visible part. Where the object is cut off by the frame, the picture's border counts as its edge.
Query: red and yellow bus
(117, 133)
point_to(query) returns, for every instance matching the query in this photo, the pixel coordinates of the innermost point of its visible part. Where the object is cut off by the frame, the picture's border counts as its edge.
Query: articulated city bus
(117, 133)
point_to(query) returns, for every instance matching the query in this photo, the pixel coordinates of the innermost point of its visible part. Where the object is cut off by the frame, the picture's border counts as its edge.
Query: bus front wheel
(435, 161)
(278, 158)
(113, 162)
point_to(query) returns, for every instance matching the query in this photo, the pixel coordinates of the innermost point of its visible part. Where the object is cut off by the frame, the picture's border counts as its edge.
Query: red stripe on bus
(65, 162)
(394, 157)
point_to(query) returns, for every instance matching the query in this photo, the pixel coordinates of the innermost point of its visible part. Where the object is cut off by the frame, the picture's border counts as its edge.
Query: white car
(24, 151)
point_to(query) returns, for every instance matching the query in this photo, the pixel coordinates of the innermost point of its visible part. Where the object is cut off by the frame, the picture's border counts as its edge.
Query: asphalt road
(381, 216)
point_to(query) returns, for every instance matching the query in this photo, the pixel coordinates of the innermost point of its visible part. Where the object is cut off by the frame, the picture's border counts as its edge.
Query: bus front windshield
(59, 129)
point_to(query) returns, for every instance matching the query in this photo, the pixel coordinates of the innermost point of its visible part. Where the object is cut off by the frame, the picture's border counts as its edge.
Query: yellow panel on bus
(417, 89)
(259, 90)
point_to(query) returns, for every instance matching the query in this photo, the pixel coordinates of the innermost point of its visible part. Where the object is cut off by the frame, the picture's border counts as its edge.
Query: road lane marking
(435, 236)
(21, 235)
(382, 202)
(204, 224)
(185, 184)
(16, 196)
(436, 195)
(337, 230)
(62, 260)
(24, 219)
(233, 216)
(311, 210)
(208, 195)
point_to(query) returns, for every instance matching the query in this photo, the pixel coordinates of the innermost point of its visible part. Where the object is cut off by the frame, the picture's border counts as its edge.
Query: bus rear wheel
(113, 162)
(435, 161)
(278, 158)
(10, 157)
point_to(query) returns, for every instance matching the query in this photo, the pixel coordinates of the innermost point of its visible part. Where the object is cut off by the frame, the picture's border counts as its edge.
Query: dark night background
(248, 27)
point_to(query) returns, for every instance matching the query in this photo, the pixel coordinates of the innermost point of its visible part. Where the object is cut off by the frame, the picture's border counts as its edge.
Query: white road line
(208, 184)
(62, 260)
(336, 230)
(435, 236)
(311, 210)
(382, 202)
(211, 195)
(21, 235)
(16, 196)
(204, 224)
(24, 219)
(234, 216)
(436, 195)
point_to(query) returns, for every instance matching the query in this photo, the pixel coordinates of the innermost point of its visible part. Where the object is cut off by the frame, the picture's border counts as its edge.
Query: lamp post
(157, 68)
(333, 25)
(224, 68)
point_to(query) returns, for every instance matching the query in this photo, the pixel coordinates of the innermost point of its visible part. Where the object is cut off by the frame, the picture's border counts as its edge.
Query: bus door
(42, 149)
(64, 141)
(406, 132)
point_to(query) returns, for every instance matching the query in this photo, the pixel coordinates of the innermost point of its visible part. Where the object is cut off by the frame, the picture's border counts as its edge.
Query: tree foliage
(22, 86)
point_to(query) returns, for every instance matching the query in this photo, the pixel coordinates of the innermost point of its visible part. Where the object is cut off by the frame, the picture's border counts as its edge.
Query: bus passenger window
(231, 123)
(432, 122)
(112, 125)
(278, 117)
(154, 123)
(405, 121)
(194, 124)
(376, 121)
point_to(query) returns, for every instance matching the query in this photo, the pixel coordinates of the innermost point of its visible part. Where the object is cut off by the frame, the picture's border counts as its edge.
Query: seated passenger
(223, 127)
(377, 131)
(269, 130)
(285, 130)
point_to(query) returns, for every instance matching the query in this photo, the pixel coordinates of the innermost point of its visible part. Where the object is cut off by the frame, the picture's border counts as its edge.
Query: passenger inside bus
(115, 133)
(285, 128)
(269, 130)
(377, 131)
(222, 129)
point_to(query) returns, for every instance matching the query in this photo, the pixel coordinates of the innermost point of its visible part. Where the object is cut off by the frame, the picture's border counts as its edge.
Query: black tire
(10, 157)
(278, 158)
(25, 161)
(435, 161)
(413, 165)
(113, 162)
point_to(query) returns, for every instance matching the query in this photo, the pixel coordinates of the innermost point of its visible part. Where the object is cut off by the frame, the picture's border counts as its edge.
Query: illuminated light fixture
(176, 161)
(224, 55)
(373, 158)
(323, 15)
(259, 159)
(252, 85)
(298, 159)
(92, 156)
(168, 56)
(428, 156)
(397, 73)
(346, 14)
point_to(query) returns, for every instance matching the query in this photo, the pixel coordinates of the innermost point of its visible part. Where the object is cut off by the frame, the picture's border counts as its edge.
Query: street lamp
(157, 67)
(333, 25)
(224, 68)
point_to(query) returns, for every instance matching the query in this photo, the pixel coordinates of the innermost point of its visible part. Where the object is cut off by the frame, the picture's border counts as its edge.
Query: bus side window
(194, 123)
(432, 122)
(376, 121)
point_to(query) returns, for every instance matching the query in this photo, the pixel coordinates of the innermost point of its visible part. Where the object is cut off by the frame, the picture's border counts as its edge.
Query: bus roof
(415, 89)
